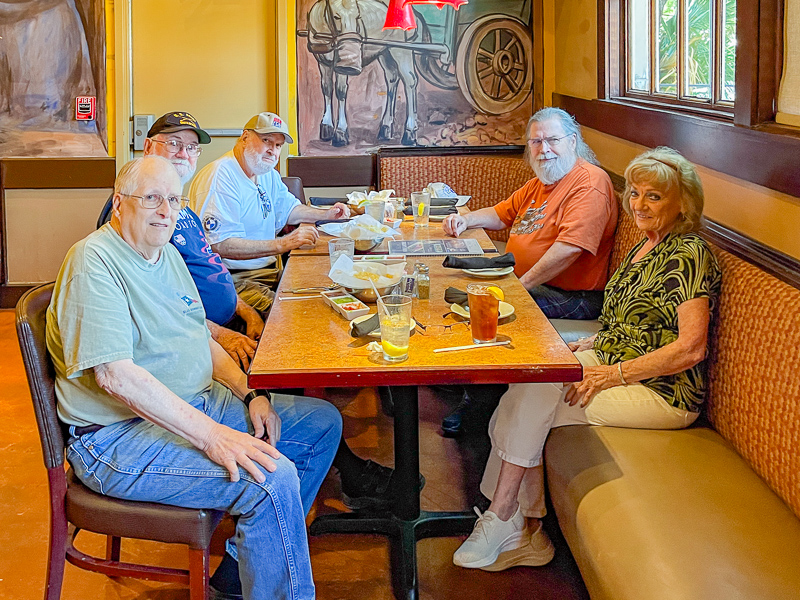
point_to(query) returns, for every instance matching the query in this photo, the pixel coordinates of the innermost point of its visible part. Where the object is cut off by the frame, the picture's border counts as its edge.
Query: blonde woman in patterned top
(644, 369)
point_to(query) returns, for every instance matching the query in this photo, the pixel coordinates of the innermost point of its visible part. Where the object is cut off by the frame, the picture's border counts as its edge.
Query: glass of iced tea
(484, 311)
(395, 318)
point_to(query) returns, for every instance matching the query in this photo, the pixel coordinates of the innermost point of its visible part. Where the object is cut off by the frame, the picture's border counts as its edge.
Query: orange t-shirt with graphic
(580, 209)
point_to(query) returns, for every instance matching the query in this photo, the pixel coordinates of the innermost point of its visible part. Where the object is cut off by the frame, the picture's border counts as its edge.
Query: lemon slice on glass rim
(496, 292)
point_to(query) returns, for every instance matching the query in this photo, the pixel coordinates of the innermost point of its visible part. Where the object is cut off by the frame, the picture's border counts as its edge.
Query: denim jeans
(567, 304)
(138, 460)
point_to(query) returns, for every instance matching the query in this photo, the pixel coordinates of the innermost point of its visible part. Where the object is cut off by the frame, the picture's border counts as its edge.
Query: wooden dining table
(307, 344)
(407, 231)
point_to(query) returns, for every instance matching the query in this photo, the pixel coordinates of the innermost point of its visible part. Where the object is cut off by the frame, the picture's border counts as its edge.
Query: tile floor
(345, 567)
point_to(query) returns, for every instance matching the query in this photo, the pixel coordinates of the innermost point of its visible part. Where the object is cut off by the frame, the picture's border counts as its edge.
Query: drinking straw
(381, 305)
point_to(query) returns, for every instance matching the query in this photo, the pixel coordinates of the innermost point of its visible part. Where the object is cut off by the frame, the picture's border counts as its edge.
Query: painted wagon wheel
(430, 66)
(494, 64)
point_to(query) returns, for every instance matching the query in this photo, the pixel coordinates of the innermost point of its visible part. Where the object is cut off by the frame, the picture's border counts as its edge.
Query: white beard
(551, 172)
(256, 162)
(184, 168)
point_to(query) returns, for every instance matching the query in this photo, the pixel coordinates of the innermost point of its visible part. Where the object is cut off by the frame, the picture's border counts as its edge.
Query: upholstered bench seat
(572, 330)
(670, 514)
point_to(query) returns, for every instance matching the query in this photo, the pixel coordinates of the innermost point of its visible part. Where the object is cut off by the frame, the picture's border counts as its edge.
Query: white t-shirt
(230, 206)
(111, 304)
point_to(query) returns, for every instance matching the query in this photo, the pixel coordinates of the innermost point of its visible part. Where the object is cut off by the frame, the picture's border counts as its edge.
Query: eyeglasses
(553, 142)
(444, 329)
(266, 203)
(174, 146)
(155, 200)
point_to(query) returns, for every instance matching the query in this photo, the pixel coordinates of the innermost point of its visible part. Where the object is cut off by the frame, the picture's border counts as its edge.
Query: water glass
(376, 209)
(421, 208)
(395, 317)
(484, 311)
(339, 246)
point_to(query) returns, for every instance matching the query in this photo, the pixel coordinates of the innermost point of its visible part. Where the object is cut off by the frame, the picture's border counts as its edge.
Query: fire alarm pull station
(85, 108)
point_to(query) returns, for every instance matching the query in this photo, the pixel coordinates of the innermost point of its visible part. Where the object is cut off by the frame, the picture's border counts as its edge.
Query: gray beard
(255, 164)
(552, 172)
(187, 175)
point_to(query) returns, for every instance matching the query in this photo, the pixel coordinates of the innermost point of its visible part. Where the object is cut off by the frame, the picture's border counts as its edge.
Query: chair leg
(58, 534)
(113, 544)
(199, 565)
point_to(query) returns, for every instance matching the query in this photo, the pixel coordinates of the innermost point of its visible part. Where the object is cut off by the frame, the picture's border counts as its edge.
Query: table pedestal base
(403, 536)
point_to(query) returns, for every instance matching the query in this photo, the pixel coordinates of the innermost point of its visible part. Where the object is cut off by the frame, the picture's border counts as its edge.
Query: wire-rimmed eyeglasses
(155, 200)
(174, 146)
(552, 142)
(458, 326)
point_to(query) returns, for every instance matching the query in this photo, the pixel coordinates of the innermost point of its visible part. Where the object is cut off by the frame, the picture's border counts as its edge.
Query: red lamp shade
(440, 3)
(399, 16)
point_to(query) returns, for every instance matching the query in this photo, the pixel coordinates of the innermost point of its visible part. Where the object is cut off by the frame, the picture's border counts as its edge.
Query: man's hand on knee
(232, 449)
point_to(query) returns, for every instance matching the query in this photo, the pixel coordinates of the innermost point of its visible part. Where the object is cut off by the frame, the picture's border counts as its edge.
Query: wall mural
(51, 52)
(462, 77)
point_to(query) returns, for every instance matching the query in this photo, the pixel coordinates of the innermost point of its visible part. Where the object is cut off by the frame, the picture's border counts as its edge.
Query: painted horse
(336, 33)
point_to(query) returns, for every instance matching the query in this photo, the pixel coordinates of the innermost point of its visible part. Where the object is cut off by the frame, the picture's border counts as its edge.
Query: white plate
(506, 310)
(462, 200)
(490, 273)
(438, 217)
(376, 333)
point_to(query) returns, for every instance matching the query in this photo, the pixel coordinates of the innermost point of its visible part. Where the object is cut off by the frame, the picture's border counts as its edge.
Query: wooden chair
(73, 506)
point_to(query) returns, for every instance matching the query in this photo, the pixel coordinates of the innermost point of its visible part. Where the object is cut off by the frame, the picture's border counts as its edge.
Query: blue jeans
(138, 460)
(567, 304)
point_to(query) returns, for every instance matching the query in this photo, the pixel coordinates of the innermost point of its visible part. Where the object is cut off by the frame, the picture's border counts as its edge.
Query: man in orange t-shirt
(562, 221)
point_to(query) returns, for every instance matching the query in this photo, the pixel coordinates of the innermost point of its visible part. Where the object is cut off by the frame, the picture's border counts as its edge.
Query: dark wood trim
(10, 294)
(333, 171)
(57, 173)
(776, 263)
(753, 155)
(759, 29)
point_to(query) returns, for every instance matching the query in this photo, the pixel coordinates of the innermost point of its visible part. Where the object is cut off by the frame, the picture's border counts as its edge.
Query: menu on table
(443, 247)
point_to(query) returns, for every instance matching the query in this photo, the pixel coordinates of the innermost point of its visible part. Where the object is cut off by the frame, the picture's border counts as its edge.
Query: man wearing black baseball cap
(177, 136)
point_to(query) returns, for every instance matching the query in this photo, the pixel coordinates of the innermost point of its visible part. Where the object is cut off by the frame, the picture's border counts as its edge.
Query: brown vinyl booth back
(489, 175)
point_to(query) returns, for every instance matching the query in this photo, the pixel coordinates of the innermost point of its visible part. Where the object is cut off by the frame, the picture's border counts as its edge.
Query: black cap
(178, 121)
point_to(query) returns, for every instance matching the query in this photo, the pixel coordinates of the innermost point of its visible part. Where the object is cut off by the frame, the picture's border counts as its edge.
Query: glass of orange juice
(484, 311)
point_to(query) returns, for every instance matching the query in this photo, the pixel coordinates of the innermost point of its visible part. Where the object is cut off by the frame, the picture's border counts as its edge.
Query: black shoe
(224, 584)
(368, 488)
(215, 594)
(453, 424)
(371, 489)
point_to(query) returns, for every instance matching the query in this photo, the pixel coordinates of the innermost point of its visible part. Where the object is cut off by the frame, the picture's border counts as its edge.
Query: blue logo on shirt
(180, 239)
(210, 223)
(189, 300)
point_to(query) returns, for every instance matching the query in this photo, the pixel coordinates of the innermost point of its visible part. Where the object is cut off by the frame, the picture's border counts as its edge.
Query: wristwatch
(254, 394)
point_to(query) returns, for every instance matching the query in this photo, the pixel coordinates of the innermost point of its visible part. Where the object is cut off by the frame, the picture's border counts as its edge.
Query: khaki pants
(528, 411)
(256, 286)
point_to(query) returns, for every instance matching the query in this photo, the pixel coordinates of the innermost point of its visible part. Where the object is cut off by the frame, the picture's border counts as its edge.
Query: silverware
(305, 290)
(483, 345)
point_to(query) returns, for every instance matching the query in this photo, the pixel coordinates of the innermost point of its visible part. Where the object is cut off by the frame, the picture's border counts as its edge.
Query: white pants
(528, 411)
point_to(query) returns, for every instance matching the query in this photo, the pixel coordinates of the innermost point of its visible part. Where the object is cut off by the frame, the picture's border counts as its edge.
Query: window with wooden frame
(677, 52)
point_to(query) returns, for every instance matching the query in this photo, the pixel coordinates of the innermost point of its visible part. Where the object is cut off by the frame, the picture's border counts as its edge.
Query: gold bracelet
(621, 378)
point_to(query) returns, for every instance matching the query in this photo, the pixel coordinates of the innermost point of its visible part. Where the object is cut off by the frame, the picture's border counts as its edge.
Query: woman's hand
(595, 379)
(582, 344)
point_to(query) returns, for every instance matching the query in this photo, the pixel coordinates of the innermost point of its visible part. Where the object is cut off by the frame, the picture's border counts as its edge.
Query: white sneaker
(538, 552)
(490, 538)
